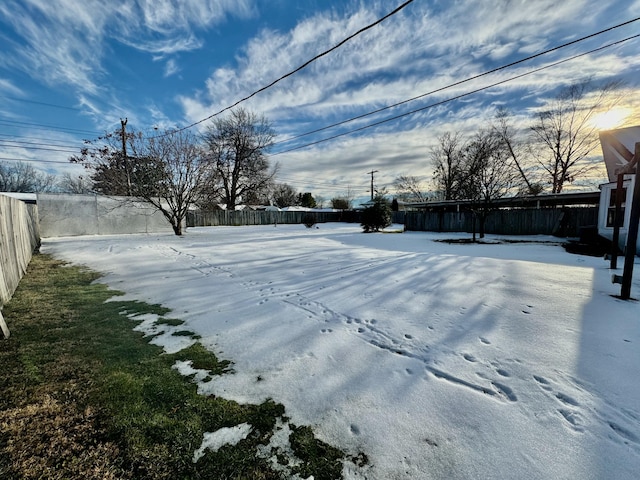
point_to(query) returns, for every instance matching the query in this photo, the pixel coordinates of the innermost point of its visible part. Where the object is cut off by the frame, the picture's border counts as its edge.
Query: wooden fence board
(526, 221)
(19, 237)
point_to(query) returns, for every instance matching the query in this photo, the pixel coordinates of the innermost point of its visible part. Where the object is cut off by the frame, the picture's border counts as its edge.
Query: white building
(618, 147)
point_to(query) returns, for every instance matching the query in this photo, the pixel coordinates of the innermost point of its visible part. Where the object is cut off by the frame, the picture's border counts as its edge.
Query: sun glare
(611, 119)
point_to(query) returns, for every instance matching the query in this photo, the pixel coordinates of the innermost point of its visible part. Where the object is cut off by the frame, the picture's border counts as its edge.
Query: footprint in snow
(469, 358)
(543, 382)
(567, 400)
(573, 418)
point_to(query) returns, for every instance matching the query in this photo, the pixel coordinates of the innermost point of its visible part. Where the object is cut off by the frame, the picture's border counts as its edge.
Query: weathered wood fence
(262, 217)
(19, 238)
(564, 222)
(526, 221)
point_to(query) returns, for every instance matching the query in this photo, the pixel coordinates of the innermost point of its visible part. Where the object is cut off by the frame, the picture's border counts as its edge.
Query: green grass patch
(84, 396)
(317, 456)
(186, 333)
(172, 322)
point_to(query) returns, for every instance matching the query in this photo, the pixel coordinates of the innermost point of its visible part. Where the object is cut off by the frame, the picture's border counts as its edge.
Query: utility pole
(371, 173)
(124, 155)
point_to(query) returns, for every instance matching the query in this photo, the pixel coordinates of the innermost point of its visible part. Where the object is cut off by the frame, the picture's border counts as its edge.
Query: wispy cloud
(417, 51)
(64, 42)
(7, 87)
(422, 49)
(171, 67)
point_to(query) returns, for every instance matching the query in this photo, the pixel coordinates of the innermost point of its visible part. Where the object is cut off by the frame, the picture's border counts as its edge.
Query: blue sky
(71, 69)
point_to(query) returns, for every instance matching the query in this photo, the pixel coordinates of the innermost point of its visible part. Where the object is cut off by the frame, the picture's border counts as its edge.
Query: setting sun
(611, 119)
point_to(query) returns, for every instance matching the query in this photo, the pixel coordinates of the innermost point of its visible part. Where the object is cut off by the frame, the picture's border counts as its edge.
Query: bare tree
(22, 177)
(284, 195)
(236, 148)
(565, 135)
(410, 189)
(340, 203)
(167, 171)
(448, 160)
(490, 172)
(119, 164)
(78, 184)
(517, 151)
(183, 175)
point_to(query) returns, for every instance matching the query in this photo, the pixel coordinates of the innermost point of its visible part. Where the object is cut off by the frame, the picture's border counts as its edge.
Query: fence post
(632, 233)
(3, 326)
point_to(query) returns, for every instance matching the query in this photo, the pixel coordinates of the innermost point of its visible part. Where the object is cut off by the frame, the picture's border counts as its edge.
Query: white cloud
(417, 51)
(7, 87)
(171, 68)
(63, 42)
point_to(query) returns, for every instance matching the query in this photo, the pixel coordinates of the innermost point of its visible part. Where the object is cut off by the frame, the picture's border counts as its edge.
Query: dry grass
(86, 397)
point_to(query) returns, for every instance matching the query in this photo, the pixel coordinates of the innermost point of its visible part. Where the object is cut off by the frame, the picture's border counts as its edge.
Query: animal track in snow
(567, 400)
(573, 418)
(626, 435)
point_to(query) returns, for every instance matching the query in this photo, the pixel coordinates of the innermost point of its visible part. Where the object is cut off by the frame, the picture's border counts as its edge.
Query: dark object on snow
(308, 220)
(589, 243)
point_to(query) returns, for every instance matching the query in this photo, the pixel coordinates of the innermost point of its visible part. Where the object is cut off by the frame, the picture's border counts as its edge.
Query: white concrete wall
(64, 215)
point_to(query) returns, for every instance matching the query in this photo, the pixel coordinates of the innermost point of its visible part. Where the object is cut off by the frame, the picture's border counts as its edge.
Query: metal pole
(124, 155)
(617, 221)
(632, 234)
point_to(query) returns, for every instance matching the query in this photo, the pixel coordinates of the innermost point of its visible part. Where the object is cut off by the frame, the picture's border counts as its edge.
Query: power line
(488, 72)
(10, 138)
(40, 144)
(292, 72)
(323, 186)
(38, 148)
(13, 123)
(41, 103)
(34, 160)
(457, 97)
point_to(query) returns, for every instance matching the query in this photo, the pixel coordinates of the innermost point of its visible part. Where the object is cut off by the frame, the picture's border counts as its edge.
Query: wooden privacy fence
(564, 222)
(522, 221)
(19, 238)
(262, 217)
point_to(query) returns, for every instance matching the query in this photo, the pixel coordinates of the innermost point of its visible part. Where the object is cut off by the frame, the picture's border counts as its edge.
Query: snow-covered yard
(443, 361)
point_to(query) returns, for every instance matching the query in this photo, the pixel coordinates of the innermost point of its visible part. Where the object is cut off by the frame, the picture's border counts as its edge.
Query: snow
(437, 360)
(224, 436)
